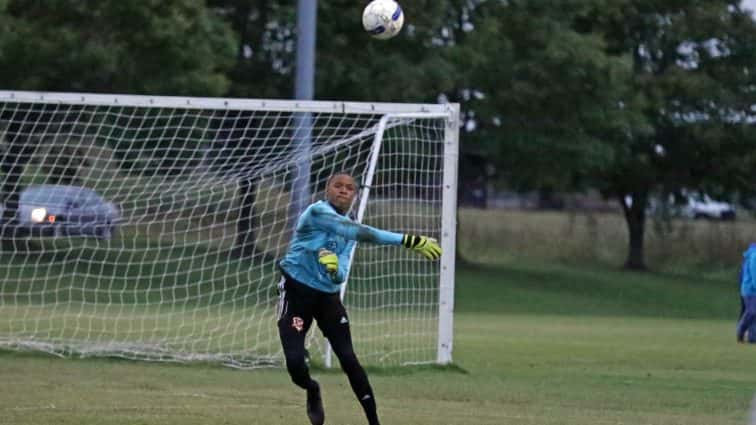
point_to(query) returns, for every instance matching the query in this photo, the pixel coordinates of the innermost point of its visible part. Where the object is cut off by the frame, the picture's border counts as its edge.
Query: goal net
(150, 227)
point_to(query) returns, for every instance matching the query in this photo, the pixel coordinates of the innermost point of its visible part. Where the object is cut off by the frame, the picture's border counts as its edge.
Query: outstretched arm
(347, 229)
(334, 223)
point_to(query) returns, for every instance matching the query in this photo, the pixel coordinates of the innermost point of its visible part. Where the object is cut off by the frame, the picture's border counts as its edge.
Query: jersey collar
(334, 208)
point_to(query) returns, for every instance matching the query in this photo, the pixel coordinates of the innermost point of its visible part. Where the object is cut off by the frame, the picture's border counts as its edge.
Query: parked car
(60, 210)
(702, 206)
(693, 205)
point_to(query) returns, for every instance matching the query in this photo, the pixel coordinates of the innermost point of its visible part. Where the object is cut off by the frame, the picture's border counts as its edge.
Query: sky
(749, 4)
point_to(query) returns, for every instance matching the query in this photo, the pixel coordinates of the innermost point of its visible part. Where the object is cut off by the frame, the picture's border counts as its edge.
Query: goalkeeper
(314, 268)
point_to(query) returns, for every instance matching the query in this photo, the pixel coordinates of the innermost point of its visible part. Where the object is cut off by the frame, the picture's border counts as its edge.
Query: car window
(90, 198)
(59, 196)
(83, 198)
(44, 195)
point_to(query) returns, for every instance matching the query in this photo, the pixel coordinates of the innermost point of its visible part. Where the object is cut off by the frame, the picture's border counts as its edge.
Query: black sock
(371, 412)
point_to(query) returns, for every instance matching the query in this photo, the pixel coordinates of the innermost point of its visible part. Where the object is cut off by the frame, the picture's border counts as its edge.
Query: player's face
(341, 191)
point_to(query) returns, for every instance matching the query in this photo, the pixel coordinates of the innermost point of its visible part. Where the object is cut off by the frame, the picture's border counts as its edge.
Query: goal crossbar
(273, 105)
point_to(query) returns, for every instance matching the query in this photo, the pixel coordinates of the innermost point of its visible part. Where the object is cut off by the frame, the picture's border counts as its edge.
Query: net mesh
(153, 232)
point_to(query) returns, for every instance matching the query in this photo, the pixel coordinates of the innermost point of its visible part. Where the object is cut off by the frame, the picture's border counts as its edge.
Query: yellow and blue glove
(424, 245)
(329, 260)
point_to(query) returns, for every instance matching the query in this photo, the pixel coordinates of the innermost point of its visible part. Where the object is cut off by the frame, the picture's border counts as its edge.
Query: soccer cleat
(315, 405)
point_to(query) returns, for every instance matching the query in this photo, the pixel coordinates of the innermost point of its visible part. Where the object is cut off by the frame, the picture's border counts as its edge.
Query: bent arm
(334, 223)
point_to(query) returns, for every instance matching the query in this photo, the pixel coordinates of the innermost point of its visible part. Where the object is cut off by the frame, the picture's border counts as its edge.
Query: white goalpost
(150, 227)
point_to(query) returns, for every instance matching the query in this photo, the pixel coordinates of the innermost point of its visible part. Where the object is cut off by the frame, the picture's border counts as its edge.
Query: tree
(694, 63)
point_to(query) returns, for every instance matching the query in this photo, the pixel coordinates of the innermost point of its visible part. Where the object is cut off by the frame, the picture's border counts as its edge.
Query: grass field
(678, 246)
(535, 343)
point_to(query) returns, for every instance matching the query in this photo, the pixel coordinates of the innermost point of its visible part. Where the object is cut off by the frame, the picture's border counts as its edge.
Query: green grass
(535, 343)
(532, 287)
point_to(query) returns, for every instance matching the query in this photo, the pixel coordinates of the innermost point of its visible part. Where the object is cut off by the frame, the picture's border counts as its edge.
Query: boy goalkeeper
(314, 268)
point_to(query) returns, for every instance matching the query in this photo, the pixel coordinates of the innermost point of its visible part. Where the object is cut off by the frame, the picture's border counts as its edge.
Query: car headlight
(38, 215)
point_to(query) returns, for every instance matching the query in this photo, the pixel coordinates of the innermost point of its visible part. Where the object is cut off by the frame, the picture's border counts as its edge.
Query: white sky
(749, 4)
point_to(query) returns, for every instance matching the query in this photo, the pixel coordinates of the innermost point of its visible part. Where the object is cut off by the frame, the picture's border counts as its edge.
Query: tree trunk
(245, 228)
(635, 217)
(246, 237)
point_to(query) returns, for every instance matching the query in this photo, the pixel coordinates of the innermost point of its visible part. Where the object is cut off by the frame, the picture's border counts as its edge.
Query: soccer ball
(383, 19)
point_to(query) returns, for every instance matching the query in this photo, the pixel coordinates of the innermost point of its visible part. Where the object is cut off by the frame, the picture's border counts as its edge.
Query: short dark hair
(328, 182)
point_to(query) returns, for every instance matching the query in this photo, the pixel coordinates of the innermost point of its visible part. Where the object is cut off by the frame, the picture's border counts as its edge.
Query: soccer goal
(150, 227)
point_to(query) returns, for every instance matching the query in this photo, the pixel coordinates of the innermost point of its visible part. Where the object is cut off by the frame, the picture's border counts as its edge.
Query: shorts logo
(297, 323)
(343, 320)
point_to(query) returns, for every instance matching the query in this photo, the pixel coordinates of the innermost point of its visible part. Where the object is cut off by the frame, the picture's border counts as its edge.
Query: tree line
(635, 98)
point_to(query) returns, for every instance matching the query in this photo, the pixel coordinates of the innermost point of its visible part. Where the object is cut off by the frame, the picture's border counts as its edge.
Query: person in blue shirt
(314, 268)
(745, 329)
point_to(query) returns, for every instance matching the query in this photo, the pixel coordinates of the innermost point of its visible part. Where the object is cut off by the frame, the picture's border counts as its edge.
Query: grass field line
(118, 408)
(500, 413)
(241, 403)
(293, 405)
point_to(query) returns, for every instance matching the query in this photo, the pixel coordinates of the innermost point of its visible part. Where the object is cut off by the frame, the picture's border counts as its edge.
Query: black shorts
(299, 304)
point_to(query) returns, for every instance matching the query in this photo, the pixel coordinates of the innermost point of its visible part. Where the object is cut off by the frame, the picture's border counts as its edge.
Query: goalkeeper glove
(424, 245)
(329, 260)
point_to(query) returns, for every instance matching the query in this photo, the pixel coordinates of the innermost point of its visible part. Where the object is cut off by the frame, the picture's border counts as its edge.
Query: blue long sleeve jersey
(321, 226)
(748, 272)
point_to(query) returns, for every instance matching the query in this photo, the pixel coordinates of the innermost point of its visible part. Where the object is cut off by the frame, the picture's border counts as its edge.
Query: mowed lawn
(534, 344)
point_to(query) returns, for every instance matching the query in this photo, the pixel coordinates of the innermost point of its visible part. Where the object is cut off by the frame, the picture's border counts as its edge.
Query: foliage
(545, 95)
(694, 63)
(410, 67)
(151, 47)
(350, 65)
(265, 46)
